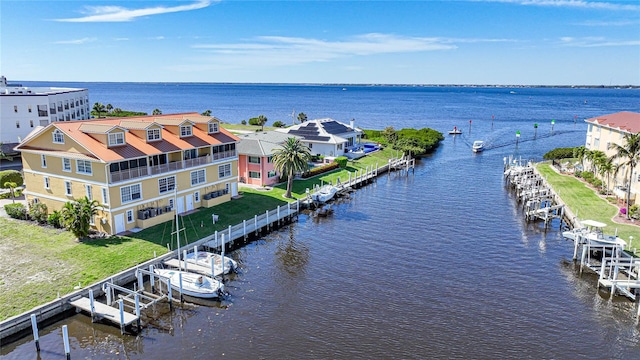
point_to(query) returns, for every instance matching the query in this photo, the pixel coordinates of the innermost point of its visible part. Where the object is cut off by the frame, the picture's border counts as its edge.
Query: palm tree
(3, 155)
(11, 185)
(76, 216)
(156, 112)
(597, 157)
(630, 154)
(109, 108)
(261, 121)
(606, 168)
(292, 157)
(99, 108)
(206, 113)
(302, 117)
(580, 152)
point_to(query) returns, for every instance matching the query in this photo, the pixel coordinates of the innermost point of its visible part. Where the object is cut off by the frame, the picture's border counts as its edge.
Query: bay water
(435, 264)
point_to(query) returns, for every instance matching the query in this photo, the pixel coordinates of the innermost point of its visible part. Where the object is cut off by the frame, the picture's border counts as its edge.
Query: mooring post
(170, 294)
(180, 281)
(65, 339)
(121, 305)
(34, 327)
(107, 292)
(138, 310)
(244, 229)
(140, 279)
(222, 256)
(92, 305)
(268, 225)
(278, 213)
(184, 259)
(230, 238)
(576, 241)
(584, 254)
(152, 279)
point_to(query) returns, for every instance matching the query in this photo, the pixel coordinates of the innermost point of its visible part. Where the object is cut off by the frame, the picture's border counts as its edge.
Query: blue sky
(534, 42)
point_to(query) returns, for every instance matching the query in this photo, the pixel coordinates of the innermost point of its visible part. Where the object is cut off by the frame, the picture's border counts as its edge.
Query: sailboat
(195, 285)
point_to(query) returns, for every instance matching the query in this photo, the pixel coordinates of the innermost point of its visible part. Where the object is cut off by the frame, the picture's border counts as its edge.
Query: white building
(326, 137)
(23, 108)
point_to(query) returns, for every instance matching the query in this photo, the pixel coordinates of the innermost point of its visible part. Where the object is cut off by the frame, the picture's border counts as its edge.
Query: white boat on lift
(195, 285)
(205, 258)
(478, 146)
(324, 194)
(591, 232)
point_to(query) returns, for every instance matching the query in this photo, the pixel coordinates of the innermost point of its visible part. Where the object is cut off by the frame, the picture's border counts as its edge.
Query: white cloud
(598, 5)
(76, 41)
(596, 41)
(121, 14)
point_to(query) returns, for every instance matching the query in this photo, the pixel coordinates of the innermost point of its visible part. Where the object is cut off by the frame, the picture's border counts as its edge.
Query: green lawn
(38, 263)
(585, 203)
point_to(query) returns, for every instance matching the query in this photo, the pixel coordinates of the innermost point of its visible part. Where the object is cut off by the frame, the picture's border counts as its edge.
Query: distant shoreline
(497, 86)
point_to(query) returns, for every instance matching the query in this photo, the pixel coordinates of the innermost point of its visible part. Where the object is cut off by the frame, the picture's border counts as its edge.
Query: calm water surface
(438, 264)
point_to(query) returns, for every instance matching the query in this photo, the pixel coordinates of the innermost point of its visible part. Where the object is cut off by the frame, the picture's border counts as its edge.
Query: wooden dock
(103, 311)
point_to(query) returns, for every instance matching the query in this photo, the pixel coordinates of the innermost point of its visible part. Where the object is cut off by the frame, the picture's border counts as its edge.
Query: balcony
(134, 173)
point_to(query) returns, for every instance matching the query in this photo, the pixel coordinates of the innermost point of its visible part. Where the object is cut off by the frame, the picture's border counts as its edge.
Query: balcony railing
(124, 175)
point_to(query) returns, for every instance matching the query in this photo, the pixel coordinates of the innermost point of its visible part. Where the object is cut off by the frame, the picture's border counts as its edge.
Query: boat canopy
(593, 223)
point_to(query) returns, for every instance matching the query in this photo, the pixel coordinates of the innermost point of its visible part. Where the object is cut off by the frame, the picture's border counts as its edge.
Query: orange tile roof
(135, 146)
(625, 121)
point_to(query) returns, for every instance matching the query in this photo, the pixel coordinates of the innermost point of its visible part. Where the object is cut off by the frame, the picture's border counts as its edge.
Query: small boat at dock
(205, 258)
(455, 131)
(324, 194)
(195, 285)
(478, 146)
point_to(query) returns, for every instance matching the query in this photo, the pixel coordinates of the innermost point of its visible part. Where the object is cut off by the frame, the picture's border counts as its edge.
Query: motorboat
(205, 258)
(324, 194)
(591, 232)
(455, 131)
(195, 285)
(478, 146)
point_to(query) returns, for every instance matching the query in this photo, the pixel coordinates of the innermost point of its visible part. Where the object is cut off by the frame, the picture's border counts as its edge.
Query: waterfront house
(139, 168)
(255, 154)
(24, 108)
(326, 137)
(610, 129)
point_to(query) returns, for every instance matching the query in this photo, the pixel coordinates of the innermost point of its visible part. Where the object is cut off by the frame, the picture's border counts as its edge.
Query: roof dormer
(177, 126)
(148, 131)
(108, 134)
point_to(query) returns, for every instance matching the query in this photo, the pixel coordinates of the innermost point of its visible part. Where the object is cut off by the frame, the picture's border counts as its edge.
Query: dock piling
(34, 326)
(65, 339)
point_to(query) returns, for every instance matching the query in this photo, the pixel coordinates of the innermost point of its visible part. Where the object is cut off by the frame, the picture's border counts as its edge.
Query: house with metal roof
(610, 129)
(140, 169)
(255, 154)
(326, 136)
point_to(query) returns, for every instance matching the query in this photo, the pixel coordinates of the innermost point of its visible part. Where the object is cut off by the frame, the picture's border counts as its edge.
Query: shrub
(342, 161)
(279, 124)
(16, 211)
(559, 153)
(633, 212)
(13, 176)
(38, 212)
(320, 169)
(243, 122)
(55, 219)
(587, 176)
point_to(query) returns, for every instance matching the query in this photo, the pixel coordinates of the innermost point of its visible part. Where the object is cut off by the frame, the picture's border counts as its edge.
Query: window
(17, 124)
(310, 145)
(15, 108)
(89, 192)
(254, 160)
(92, 219)
(224, 170)
(46, 182)
(58, 137)
(29, 108)
(171, 203)
(196, 196)
(271, 174)
(198, 177)
(67, 188)
(153, 134)
(43, 160)
(31, 123)
(116, 138)
(166, 184)
(83, 167)
(185, 130)
(130, 193)
(52, 108)
(254, 174)
(213, 127)
(129, 216)
(270, 159)
(105, 196)
(190, 154)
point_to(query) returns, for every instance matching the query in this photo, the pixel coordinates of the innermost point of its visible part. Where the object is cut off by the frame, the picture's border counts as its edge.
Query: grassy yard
(39, 263)
(585, 203)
